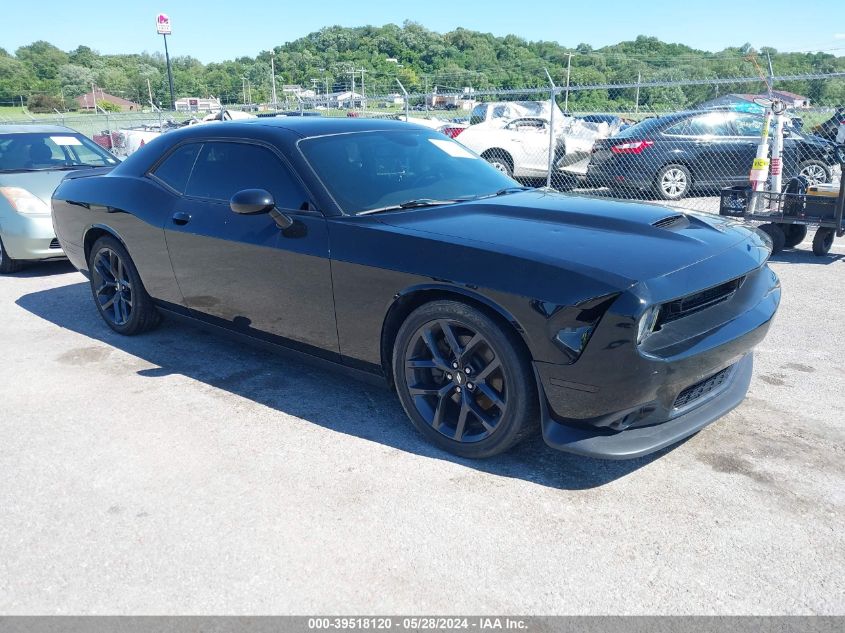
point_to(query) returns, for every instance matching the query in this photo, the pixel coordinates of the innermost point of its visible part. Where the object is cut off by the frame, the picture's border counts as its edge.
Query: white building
(198, 104)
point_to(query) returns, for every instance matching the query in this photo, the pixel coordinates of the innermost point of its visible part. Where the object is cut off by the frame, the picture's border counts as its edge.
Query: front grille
(55, 243)
(701, 389)
(685, 306)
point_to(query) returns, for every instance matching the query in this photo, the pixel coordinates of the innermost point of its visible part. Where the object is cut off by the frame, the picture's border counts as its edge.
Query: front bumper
(621, 401)
(637, 441)
(27, 237)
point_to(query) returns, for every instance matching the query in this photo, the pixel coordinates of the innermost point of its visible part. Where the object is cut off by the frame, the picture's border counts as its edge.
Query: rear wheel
(463, 380)
(117, 288)
(7, 264)
(822, 241)
(673, 182)
(794, 234)
(776, 234)
(815, 171)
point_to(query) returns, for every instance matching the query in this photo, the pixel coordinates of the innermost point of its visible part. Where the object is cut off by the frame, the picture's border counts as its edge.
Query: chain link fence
(645, 140)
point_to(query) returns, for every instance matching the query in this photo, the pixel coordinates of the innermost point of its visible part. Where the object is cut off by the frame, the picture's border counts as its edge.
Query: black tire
(7, 264)
(500, 159)
(776, 234)
(815, 171)
(673, 182)
(822, 241)
(470, 419)
(794, 234)
(117, 289)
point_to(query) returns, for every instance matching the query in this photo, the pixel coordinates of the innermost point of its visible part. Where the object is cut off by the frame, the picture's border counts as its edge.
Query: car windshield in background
(50, 151)
(376, 170)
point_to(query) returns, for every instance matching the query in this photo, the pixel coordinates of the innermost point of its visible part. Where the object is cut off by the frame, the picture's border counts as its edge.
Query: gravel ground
(181, 473)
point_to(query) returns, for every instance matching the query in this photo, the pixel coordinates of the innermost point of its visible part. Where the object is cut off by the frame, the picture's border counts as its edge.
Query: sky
(214, 31)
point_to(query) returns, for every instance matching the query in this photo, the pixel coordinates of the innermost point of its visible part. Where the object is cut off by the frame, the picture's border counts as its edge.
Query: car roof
(314, 126)
(28, 128)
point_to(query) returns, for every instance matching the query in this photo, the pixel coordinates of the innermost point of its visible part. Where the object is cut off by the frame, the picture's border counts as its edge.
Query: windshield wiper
(53, 168)
(503, 192)
(412, 204)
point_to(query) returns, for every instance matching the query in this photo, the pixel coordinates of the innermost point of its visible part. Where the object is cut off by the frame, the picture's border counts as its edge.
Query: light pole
(164, 28)
(273, 73)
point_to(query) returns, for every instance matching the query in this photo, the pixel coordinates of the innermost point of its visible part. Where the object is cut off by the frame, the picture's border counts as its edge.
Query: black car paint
(338, 286)
(713, 161)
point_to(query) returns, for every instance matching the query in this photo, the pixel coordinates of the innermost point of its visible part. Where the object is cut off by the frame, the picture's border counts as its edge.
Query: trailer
(787, 216)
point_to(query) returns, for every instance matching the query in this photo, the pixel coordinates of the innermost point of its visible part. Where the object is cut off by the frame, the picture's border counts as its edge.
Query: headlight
(25, 202)
(647, 322)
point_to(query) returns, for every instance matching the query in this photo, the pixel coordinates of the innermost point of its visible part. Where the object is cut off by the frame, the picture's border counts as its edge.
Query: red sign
(163, 26)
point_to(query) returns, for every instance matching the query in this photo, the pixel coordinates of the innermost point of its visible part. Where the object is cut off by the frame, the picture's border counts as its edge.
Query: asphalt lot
(182, 473)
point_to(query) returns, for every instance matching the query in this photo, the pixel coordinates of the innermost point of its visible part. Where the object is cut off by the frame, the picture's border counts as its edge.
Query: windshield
(39, 151)
(374, 170)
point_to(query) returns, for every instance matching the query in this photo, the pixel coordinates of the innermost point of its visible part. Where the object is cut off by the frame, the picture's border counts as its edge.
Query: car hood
(619, 242)
(40, 183)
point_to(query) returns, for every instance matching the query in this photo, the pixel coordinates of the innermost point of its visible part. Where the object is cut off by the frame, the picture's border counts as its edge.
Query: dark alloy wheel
(118, 292)
(822, 241)
(462, 381)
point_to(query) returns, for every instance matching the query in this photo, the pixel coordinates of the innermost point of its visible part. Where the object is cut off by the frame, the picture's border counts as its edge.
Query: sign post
(164, 28)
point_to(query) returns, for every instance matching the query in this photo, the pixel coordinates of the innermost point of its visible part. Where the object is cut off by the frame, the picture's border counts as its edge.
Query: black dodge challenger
(388, 249)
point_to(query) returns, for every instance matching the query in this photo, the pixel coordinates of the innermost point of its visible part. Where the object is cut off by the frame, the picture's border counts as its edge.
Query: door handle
(181, 218)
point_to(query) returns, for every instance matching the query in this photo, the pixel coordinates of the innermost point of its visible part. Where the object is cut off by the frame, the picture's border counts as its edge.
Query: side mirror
(252, 202)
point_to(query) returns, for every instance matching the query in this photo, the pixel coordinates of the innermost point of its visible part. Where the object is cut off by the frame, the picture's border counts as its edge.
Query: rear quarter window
(175, 170)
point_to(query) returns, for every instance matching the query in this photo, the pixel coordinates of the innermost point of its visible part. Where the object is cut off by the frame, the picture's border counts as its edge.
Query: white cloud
(839, 36)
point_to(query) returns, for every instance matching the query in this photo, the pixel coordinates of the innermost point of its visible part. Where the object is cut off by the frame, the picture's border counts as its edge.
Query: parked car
(520, 147)
(126, 141)
(33, 160)
(615, 122)
(395, 253)
(674, 154)
(830, 128)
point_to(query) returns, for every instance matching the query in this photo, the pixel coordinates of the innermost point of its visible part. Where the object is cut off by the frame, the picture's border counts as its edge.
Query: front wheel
(823, 241)
(7, 264)
(673, 182)
(499, 159)
(118, 291)
(464, 380)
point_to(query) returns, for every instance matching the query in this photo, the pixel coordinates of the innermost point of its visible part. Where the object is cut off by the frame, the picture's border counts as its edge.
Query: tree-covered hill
(421, 59)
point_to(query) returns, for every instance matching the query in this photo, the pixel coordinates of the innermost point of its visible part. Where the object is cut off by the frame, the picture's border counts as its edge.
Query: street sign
(163, 24)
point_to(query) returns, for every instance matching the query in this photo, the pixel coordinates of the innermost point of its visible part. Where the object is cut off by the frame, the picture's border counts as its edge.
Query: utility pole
(551, 162)
(169, 72)
(273, 74)
(363, 94)
(637, 103)
(243, 83)
(770, 82)
(568, 72)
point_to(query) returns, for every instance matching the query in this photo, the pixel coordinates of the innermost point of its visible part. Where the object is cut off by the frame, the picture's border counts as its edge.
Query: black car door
(243, 271)
(710, 143)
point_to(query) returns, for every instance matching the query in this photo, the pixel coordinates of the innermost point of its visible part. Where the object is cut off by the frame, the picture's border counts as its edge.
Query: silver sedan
(33, 161)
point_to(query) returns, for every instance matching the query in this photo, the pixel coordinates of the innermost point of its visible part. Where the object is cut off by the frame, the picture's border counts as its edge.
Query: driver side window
(223, 168)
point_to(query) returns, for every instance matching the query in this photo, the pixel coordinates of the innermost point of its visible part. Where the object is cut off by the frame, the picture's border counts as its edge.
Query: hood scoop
(677, 221)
